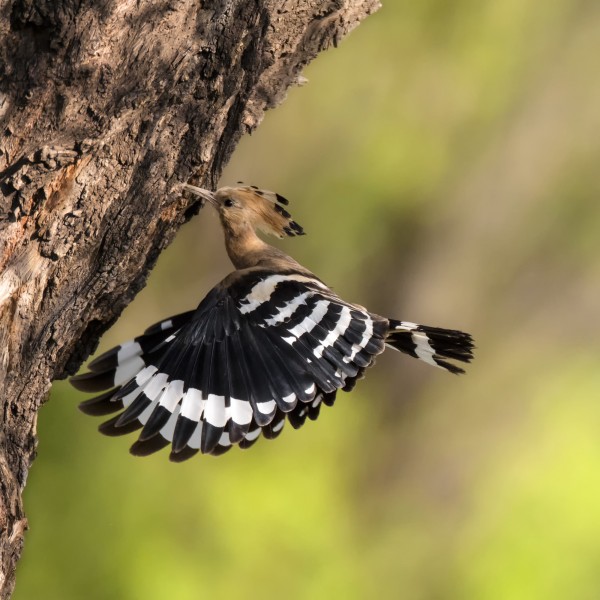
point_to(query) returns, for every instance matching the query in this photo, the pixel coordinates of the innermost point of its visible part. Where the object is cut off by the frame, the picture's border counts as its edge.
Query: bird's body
(270, 342)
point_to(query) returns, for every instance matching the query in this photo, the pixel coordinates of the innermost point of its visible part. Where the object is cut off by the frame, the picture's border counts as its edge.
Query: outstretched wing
(266, 348)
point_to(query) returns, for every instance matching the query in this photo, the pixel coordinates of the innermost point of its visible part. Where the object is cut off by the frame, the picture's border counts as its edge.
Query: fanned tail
(432, 345)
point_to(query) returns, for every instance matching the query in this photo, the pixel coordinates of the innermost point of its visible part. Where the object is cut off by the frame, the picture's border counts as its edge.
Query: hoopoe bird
(269, 343)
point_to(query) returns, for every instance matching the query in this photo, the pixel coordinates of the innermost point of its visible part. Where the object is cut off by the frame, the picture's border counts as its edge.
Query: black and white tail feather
(266, 345)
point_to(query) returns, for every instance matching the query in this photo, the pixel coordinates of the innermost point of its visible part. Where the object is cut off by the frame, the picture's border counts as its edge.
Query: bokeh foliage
(444, 162)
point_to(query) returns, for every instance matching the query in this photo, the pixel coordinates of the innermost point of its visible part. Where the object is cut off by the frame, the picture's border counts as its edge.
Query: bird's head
(249, 205)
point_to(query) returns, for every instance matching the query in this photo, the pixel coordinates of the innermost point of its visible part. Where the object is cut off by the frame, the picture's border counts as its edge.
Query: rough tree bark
(106, 107)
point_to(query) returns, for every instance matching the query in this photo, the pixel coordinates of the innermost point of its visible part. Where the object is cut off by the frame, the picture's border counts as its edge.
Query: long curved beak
(206, 195)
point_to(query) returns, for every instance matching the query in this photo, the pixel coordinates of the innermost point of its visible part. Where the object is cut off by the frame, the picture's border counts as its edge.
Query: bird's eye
(228, 202)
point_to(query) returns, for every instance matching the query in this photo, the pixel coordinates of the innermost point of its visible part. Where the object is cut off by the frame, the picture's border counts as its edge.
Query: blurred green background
(445, 161)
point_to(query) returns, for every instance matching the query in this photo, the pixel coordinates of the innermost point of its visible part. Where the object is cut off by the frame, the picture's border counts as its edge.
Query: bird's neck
(247, 250)
(244, 247)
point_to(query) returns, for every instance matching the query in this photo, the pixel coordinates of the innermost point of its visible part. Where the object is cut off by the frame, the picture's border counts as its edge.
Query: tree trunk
(105, 109)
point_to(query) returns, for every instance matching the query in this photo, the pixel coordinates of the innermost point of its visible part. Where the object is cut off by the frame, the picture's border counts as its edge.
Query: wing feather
(266, 349)
(264, 404)
(241, 389)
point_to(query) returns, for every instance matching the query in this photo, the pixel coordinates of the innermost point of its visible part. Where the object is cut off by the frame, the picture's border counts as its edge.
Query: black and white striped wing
(120, 364)
(270, 347)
